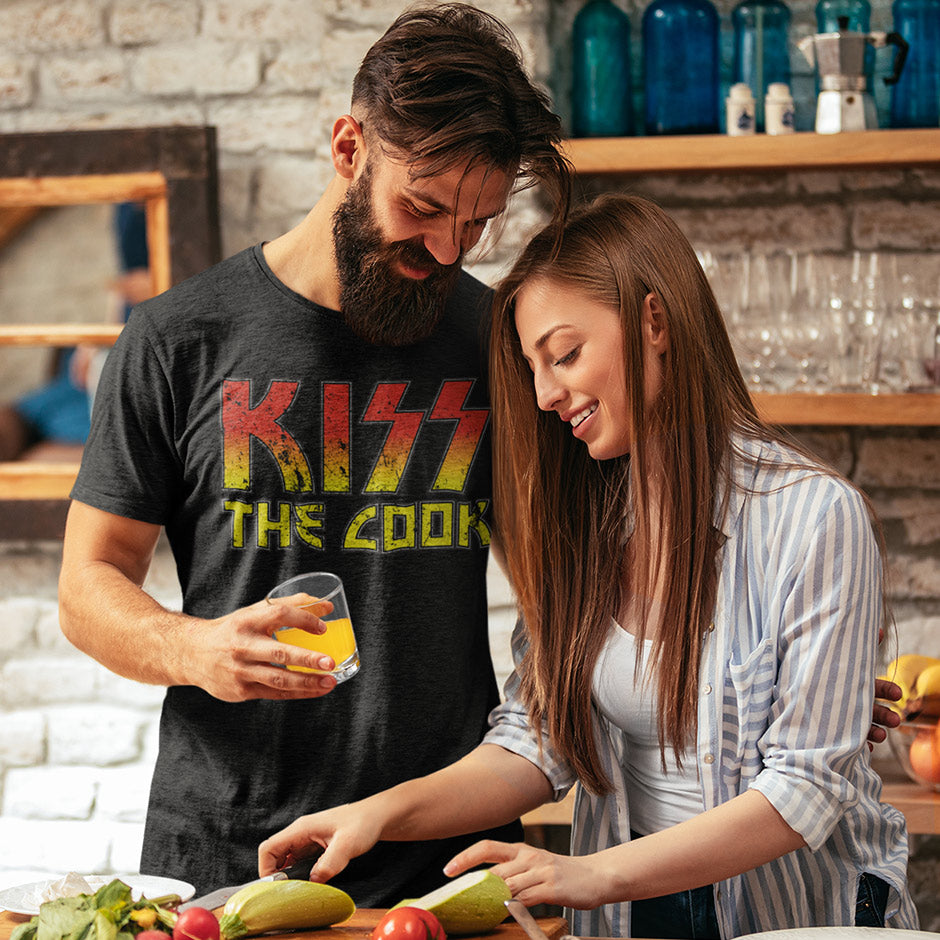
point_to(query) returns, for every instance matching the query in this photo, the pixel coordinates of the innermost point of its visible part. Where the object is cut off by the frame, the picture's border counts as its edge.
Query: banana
(925, 697)
(905, 671)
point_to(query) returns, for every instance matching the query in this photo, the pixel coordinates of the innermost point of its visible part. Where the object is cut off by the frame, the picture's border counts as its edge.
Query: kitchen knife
(217, 898)
(528, 923)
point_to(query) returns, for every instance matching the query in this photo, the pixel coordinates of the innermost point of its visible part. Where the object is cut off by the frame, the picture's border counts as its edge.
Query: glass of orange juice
(339, 641)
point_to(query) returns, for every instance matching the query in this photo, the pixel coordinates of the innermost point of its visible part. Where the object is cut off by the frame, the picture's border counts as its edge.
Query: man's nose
(445, 244)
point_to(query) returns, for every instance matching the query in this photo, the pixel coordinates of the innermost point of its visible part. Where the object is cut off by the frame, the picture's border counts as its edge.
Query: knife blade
(214, 899)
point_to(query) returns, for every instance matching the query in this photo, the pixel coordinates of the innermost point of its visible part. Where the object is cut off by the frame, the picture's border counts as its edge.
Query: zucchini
(289, 904)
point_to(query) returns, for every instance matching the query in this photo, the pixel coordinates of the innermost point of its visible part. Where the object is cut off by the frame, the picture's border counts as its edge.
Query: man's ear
(654, 324)
(347, 147)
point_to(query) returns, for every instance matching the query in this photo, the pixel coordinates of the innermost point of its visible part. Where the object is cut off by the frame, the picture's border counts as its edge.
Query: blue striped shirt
(785, 702)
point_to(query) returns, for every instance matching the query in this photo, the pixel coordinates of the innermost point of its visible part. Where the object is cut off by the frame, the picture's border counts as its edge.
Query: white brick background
(76, 742)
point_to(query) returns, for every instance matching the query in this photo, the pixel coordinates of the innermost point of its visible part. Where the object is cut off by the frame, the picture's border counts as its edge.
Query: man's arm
(104, 611)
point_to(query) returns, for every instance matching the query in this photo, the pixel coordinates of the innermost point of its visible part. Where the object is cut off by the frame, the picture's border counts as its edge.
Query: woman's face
(574, 346)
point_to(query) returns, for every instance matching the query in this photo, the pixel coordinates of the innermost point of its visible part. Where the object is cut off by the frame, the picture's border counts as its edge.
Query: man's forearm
(114, 621)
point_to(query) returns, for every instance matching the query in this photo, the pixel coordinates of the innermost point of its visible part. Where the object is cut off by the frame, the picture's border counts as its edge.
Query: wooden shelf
(59, 334)
(29, 479)
(711, 153)
(834, 408)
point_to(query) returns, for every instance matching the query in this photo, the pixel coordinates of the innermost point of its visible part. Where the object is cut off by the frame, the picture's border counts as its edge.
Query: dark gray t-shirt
(269, 440)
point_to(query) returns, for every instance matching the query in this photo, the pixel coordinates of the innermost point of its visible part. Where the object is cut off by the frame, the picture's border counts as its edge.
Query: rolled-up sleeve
(829, 611)
(510, 728)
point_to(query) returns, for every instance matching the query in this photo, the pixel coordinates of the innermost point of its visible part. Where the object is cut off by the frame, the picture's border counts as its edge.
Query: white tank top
(657, 801)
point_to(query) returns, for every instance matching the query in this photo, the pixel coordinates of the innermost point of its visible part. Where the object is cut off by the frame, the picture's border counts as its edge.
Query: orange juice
(338, 641)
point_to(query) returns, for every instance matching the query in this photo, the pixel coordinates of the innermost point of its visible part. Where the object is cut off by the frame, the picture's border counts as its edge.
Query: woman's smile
(582, 416)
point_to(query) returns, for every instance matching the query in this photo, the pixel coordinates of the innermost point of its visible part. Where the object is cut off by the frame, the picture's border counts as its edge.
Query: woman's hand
(535, 876)
(343, 833)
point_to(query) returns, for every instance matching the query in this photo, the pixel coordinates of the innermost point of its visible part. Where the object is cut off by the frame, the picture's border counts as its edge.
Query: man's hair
(446, 85)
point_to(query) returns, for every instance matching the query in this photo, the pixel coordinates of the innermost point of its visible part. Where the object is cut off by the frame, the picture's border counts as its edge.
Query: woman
(701, 603)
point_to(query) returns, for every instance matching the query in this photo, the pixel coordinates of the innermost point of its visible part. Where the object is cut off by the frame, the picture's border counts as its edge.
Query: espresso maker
(845, 102)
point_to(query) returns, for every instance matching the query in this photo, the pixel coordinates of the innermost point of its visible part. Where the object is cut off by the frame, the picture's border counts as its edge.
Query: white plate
(841, 933)
(25, 899)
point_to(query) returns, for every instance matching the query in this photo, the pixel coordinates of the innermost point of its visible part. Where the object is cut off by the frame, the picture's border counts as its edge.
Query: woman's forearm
(489, 787)
(722, 842)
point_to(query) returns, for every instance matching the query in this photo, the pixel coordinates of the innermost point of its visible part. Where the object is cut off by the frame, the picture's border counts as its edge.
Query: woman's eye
(568, 357)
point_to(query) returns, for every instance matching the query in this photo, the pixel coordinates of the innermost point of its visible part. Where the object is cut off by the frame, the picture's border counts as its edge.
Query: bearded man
(318, 402)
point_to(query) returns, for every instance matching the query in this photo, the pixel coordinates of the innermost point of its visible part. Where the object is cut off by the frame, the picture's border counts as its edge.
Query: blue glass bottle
(857, 12)
(680, 67)
(601, 104)
(915, 99)
(761, 47)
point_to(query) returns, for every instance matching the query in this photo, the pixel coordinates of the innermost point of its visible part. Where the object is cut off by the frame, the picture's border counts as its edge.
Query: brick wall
(76, 742)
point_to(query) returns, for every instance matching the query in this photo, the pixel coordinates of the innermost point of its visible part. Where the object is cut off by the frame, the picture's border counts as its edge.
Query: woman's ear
(654, 324)
(347, 146)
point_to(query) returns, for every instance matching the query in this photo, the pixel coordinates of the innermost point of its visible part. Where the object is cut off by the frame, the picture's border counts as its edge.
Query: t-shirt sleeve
(130, 465)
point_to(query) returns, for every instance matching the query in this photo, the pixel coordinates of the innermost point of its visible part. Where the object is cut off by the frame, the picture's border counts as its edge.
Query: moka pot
(845, 102)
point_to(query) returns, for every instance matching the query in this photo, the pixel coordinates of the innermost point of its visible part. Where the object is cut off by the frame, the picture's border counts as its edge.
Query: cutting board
(358, 927)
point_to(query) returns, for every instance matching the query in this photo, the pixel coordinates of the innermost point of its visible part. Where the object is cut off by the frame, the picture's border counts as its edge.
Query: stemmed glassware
(820, 322)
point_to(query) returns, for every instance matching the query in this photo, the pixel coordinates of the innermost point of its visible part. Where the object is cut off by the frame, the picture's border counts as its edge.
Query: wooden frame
(173, 170)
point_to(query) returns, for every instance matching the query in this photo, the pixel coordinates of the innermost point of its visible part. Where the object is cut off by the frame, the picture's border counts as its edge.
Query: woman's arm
(717, 844)
(489, 787)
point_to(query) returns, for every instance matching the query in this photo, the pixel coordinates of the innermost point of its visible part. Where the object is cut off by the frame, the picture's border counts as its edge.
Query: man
(318, 403)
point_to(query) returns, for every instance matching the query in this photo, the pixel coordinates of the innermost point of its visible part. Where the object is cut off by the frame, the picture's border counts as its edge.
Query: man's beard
(378, 303)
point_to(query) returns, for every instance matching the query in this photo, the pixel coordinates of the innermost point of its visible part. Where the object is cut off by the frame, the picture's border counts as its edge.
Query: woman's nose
(547, 391)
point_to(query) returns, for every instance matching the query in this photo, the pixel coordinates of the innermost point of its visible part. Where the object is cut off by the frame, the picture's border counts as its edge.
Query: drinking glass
(756, 331)
(805, 327)
(920, 321)
(309, 591)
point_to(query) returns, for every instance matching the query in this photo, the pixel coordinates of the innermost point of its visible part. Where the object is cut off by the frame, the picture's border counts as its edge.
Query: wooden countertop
(358, 927)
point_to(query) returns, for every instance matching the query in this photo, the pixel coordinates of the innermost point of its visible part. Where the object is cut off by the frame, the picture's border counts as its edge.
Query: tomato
(196, 923)
(409, 923)
(152, 935)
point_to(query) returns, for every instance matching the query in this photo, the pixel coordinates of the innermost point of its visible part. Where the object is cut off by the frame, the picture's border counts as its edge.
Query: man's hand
(236, 657)
(104, 611)
(883, 714)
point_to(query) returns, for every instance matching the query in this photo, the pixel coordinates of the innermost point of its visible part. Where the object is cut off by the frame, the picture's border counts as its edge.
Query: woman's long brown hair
(563, 517)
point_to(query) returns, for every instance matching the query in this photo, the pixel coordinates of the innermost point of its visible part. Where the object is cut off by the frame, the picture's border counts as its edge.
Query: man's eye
(421, 213)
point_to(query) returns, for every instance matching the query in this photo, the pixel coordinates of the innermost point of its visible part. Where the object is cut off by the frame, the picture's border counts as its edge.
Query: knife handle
(300, 869)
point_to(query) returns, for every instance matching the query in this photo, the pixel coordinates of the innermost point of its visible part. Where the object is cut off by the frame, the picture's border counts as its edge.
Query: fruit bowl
(916, 745)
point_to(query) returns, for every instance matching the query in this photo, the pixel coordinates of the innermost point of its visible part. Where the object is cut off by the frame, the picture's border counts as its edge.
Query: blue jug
(915, 98)
(601, 103)
(680, 67)
(761, 47)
